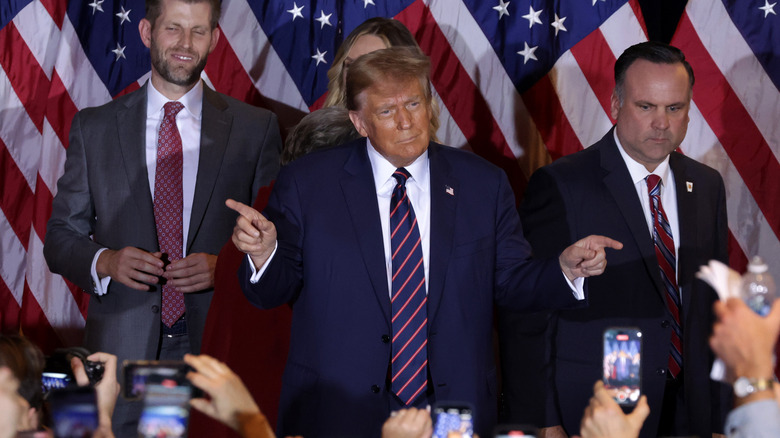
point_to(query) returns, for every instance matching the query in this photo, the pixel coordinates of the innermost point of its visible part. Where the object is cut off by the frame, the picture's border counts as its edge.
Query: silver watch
(745, 386)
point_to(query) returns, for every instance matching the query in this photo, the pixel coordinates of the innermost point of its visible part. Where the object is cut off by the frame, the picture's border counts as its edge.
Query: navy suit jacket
(330, 266)
(591, 192)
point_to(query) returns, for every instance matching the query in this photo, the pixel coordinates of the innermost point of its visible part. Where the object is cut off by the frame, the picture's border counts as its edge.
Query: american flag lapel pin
(689, 186)
(450, 191)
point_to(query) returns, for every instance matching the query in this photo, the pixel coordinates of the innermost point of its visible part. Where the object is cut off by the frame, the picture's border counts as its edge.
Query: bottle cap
(757, 265)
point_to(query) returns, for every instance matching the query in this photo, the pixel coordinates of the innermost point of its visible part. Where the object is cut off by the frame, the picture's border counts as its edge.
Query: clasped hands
(137, 269)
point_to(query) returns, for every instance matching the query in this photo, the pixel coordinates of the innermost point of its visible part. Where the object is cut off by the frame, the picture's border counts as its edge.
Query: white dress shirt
(188, 121)
(638, 174)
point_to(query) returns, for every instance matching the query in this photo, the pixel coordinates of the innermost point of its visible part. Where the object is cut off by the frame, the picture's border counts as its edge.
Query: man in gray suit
(139, 212)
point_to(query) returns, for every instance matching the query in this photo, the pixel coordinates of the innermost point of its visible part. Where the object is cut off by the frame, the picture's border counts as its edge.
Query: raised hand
(253, 234)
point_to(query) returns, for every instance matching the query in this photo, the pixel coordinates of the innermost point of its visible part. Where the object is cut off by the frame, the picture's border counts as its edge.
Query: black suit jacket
(330, 266)
(591, 192)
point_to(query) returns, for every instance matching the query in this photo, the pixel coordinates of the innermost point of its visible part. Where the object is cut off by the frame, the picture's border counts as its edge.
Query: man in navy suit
(325, 247)
(650, 104)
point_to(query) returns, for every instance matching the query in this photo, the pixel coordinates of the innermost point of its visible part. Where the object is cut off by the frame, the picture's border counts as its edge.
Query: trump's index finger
(241, 208)
(605, 242)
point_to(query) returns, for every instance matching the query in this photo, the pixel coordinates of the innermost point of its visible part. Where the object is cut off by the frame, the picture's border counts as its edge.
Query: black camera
(58, 374)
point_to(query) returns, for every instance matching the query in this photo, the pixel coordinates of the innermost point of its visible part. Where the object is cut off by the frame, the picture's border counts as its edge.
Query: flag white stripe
(580, 104)
(74, 69)
(257, 55)
(746, 221)
(622, 30)
(739, 66)
(18, 132)
(449, 132)
(38, 30)
(477, 57)
(59, 307)
(13, 255)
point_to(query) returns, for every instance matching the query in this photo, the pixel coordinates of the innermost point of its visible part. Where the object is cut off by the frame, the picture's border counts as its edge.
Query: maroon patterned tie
(665, 253)
(168, 205)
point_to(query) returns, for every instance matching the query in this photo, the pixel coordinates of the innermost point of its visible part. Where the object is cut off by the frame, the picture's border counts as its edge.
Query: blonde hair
(394, 34)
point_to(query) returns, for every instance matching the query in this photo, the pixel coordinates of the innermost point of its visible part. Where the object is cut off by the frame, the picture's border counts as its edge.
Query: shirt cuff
(577, 287)
(258, 272)
(99, 285)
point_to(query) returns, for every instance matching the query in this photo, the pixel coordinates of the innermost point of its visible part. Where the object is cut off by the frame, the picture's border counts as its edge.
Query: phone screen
(74, 411)
(166, 409)
(453, 418)
(139, 374)
(55, 381)
(622, 364)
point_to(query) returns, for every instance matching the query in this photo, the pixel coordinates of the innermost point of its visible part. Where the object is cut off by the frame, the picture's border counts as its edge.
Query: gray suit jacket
(103, 201)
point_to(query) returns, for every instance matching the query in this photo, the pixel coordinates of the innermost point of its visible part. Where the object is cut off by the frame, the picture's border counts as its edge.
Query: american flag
(520, 82)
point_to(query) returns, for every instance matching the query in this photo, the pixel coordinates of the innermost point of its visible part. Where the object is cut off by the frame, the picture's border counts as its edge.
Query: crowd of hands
(743, 340)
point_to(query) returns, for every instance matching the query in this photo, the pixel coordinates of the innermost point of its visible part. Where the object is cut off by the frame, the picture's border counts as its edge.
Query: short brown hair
(154, 10)
(393, 64)
(26, 362)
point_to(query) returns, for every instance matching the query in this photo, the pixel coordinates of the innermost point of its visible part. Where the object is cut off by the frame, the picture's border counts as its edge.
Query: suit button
(155, 309)
(386, 339)
(375, 389)
(665, 323)
(660, 371)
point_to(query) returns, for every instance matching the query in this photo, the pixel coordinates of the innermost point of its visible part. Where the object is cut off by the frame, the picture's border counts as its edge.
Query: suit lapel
(214, 134)
(444, 190)
(618, 182)
(687, 216)
(359, 192)
(131, 127)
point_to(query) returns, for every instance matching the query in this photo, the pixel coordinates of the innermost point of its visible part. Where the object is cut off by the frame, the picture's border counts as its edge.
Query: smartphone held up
(622, 364)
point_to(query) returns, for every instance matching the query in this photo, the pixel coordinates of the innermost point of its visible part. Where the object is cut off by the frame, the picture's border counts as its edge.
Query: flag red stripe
(555, 129)
(41, 207)
(15, 196)
(737, 259)
(60, 108)
(739, 136)
(25, 74)
(592, 54)
(229, 77)
(467, 106)
(35, 325)
(9, 309)
(57, 9)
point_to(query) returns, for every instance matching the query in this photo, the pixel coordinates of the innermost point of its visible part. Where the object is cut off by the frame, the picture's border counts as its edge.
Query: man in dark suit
(386, 319)
(613, 178)
(112, 208)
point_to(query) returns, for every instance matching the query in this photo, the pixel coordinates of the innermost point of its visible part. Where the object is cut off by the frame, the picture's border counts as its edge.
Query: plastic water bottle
(758, 287)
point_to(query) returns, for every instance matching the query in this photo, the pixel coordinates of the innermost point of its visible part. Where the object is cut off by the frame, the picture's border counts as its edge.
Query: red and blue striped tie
(664, 252)
(410, 316)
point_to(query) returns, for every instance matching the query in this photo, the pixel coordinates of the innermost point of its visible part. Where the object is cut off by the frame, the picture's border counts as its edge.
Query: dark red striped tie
(664, 252)
(168, 204)
(410, 316)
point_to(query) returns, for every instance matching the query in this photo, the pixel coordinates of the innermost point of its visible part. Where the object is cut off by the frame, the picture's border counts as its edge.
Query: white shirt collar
(383, 170)
(192, 101)
(638, 171)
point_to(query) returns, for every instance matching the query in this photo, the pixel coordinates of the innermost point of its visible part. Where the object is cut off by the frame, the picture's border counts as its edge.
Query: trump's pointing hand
(586, 257)
(253, 234)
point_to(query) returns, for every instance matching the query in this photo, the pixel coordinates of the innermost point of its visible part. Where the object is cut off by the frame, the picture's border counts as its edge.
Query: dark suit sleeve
(525, 283)
(268, 163)
(526, 338)
(282, 280)
(68, 248)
